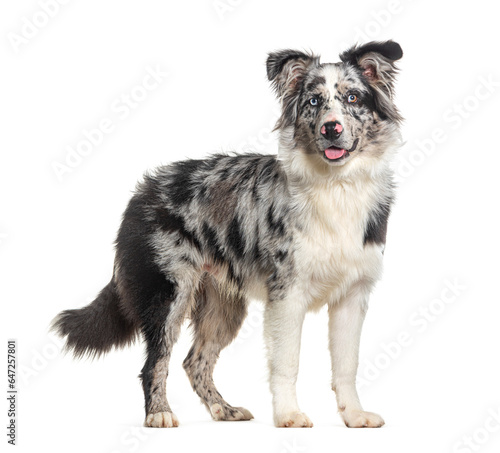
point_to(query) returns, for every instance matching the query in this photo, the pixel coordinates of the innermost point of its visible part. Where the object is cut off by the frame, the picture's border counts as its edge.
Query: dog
(300, 230)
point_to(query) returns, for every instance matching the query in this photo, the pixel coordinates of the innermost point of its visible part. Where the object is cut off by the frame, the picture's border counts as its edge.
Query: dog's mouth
(335, 154)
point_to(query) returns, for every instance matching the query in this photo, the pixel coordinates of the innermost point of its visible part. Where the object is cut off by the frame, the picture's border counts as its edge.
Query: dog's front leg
(283, 321)
(346, 321)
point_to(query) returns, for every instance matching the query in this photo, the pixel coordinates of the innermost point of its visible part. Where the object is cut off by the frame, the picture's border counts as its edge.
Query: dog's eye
(352, 98)
(313, 101)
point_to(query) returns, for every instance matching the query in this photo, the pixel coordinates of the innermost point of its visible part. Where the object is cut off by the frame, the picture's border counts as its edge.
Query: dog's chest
(331, 255)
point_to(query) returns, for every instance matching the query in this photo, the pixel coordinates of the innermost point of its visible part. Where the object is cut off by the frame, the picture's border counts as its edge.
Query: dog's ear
(286, 70)
(377, 63)
(376, 59)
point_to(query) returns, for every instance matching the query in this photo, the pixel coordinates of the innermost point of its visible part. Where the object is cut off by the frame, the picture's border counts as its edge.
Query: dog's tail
(93, 330)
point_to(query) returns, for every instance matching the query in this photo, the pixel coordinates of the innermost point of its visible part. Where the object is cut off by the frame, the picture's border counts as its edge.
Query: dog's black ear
(286, 69)
(376, 59)
(377, 63)
(389, 49)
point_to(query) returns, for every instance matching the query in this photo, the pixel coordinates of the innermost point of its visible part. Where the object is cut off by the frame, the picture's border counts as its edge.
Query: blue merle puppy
(304, 229)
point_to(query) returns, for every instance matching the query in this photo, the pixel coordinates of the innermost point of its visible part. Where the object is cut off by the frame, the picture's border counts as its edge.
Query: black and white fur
(300, 230)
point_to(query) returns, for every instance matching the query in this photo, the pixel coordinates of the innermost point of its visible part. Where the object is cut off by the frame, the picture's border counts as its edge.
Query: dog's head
(338, 111)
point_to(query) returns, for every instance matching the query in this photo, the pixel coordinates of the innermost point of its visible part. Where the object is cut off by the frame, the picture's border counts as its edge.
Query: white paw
(229, 413)
(161, 420)
(293, 420)
(362, 419)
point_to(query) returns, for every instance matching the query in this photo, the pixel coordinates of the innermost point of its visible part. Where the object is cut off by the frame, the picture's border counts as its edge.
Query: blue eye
(313, 101)
(352, 98)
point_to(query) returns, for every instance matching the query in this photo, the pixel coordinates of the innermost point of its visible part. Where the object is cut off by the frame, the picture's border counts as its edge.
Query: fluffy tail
(93, 330)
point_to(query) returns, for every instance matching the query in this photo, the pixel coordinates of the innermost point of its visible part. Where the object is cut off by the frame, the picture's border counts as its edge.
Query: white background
(437, 386)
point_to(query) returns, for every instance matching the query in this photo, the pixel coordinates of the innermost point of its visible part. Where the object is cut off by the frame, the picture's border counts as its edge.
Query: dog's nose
(331, 130)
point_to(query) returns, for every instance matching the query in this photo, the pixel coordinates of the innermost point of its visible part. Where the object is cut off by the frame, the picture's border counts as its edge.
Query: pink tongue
(334, 153)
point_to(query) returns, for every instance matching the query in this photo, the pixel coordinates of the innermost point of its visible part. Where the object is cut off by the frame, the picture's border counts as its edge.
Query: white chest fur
(330, 254)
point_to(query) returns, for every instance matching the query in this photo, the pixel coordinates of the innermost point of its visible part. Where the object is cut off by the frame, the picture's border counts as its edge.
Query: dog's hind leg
(162, 318)
(216, 321)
